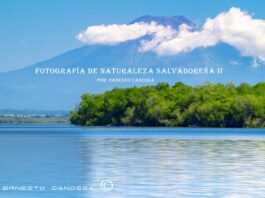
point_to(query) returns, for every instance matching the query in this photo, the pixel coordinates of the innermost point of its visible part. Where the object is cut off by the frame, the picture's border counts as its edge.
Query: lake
(71, 162)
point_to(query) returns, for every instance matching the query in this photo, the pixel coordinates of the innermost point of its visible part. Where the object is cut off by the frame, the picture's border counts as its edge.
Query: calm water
(52, 161)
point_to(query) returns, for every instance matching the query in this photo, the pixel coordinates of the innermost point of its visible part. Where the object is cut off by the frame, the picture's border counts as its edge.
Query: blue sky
(35, 30)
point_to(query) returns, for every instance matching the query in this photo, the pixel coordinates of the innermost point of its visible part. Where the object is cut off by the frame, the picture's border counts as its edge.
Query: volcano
(23, 89)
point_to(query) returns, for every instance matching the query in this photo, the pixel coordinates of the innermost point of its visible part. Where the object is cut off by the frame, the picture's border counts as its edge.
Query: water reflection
(177, 168)
(141, 167)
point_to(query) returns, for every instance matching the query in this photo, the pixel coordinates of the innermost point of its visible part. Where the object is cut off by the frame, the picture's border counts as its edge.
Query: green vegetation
(208, 105)
(34, 120)
(12, 116)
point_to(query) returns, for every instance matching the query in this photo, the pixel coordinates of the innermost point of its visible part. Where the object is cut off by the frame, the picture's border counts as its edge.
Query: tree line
(180, 105)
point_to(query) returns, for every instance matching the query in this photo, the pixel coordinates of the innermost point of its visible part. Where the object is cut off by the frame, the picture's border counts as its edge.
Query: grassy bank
(34, 120)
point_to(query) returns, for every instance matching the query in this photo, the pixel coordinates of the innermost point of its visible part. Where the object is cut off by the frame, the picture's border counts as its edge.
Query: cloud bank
(235, 28)
(115, 34)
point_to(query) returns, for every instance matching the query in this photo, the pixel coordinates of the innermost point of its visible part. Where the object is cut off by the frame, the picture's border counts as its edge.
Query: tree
(207, 105)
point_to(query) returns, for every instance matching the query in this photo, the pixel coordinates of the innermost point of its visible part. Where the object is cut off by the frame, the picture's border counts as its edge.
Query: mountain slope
(22, 89)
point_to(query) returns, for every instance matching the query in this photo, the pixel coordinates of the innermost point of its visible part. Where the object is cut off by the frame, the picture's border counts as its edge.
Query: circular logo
(106, 185)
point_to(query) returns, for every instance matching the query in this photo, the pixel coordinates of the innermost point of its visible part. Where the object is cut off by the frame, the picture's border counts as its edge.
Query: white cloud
(235, 27)
(184, 40)
(114, 34)
(241, 31)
